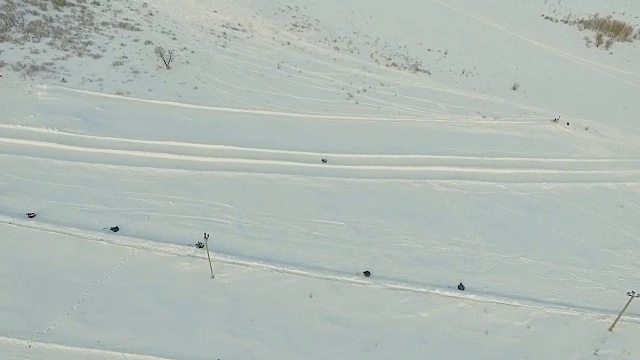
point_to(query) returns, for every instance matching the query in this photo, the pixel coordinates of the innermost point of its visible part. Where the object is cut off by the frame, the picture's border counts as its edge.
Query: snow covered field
(131, 300)
(437, 172)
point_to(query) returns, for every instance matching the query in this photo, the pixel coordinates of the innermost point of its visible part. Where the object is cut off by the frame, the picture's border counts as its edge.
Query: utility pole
(632, 295)
(206, 243)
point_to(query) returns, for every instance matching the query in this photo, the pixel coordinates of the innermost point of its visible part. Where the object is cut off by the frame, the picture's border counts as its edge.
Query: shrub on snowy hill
(59, 3)
(41, 33)
(616, 30)
(165, 55)
(607, 29)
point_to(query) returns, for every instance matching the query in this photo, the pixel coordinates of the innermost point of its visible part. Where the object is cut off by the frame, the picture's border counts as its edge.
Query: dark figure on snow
(367, 273)
(460, 287)
(114, 229)
(324, 161)
(200, 245)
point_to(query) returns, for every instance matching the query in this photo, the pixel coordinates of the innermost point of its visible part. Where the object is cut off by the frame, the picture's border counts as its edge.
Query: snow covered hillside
(494, 143)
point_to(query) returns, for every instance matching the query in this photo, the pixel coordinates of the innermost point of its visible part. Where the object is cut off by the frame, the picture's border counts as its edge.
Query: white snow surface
(436, 173)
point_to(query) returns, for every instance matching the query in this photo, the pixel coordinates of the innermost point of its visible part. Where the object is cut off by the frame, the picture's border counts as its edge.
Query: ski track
(336, 80)
(45, 144)
(463, 120)
(135, 144)
(329, 82)
(411, 167)
(316, 273)
(89, 353)
(591, 65)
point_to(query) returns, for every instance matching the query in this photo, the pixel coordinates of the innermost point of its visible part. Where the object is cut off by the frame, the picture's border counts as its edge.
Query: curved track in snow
(67, 352)
(53, 145)
(428, 180)
(324, 274)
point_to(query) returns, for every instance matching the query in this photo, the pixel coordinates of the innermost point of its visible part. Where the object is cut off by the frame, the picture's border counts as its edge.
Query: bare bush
(40, 4)
(127, 26)
(165, 55)
(599, 39)
(37, 28)
(608, 43)
(8, 19)
(29, 69)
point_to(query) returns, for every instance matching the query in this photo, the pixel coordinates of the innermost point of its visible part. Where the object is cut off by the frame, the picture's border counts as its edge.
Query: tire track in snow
(327, 274)
(211, 158)
(334, 117)
(28, 133)
(83, 297)
(87, 352)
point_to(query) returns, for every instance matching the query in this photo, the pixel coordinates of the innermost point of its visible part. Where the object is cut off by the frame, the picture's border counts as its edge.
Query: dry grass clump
(614, 29)
(607, 29)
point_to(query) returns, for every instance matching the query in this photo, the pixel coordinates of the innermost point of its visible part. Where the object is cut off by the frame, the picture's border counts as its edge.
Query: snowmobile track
(327, 274)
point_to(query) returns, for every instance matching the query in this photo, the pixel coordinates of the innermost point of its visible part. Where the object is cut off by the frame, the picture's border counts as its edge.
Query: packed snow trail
(315, 273)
